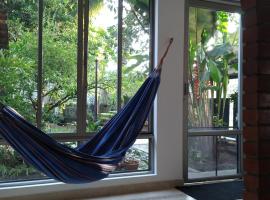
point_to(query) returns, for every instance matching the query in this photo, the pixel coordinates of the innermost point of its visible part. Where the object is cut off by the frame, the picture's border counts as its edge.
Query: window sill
(36, 187)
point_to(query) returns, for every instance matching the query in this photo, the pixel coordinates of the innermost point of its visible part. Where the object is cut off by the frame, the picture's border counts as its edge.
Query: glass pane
(136, 48)
(14, 168)
(102, 74)
(102, 71)
(227, 155)
(18, 63)
(213, 69)
(59, 89)
(136, 41)
(213, 88)
(137, 157)
(201, 157)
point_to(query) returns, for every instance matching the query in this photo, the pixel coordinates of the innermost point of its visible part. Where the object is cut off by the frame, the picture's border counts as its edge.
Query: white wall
(170, 23)
(168, 121)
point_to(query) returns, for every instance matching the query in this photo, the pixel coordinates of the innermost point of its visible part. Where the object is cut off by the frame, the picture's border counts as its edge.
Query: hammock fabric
(96, 158)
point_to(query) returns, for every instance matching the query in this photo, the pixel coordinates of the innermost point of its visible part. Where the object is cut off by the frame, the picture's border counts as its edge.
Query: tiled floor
(172, 194)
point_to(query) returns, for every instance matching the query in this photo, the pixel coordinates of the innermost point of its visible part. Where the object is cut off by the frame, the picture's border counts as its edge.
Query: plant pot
(128, 165)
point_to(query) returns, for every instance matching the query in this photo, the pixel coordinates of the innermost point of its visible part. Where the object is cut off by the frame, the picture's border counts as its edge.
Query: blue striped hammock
(97, 157)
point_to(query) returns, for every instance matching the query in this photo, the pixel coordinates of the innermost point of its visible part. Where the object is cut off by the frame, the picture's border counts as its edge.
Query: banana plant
(209, 66)
(220, 60)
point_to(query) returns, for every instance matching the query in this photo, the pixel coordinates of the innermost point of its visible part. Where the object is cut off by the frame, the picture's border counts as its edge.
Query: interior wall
(169, 22)
(169, 111)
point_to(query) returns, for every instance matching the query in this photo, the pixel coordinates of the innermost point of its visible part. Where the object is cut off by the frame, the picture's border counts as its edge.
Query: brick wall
(3, 30)
(256, 99)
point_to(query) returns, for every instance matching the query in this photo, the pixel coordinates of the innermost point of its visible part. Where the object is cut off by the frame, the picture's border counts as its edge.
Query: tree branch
(61, 101)
(138, 19)
(52, 90)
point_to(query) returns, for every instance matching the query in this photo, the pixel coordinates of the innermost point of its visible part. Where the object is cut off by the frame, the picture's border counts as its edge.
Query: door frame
(228, 7)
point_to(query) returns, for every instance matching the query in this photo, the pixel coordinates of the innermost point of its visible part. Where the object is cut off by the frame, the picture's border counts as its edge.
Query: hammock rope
(97, 157)
(160, 64)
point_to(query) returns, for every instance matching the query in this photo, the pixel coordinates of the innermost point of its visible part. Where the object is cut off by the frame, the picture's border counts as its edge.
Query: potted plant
(128, 164)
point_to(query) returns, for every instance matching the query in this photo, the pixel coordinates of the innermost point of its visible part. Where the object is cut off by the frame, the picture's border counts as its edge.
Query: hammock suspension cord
(160, 64)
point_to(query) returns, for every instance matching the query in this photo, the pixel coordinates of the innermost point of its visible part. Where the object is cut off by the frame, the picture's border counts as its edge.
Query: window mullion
(40, 63)
(119, 54)
(85, 65)
(80, 68)
(82, 64)
(151, 56)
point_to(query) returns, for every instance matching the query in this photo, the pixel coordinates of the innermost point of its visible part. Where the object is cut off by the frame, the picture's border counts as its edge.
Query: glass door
(213, 94)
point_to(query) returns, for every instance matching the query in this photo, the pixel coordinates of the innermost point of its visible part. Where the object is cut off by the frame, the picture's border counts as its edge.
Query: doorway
(213, 132)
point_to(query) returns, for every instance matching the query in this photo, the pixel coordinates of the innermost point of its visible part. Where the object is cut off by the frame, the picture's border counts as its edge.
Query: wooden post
(3, 29)
(96, 91)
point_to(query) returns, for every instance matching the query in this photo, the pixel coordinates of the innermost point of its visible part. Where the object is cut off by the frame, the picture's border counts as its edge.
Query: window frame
(82, 51)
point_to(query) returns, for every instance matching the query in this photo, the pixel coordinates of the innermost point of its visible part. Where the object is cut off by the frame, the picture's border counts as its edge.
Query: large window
(213, 92)
(69, 68)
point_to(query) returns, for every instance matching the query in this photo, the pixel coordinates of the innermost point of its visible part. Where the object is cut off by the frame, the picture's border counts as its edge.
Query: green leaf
(214, 88)
(214, 71)
(220, 50)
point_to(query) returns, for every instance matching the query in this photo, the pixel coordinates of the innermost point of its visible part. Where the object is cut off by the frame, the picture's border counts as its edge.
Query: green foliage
(12, 166)
(212, 56)
(17, 77)
(222, 24)
(215, 73)
(24, 11)
(19, 63)
(202, 24)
